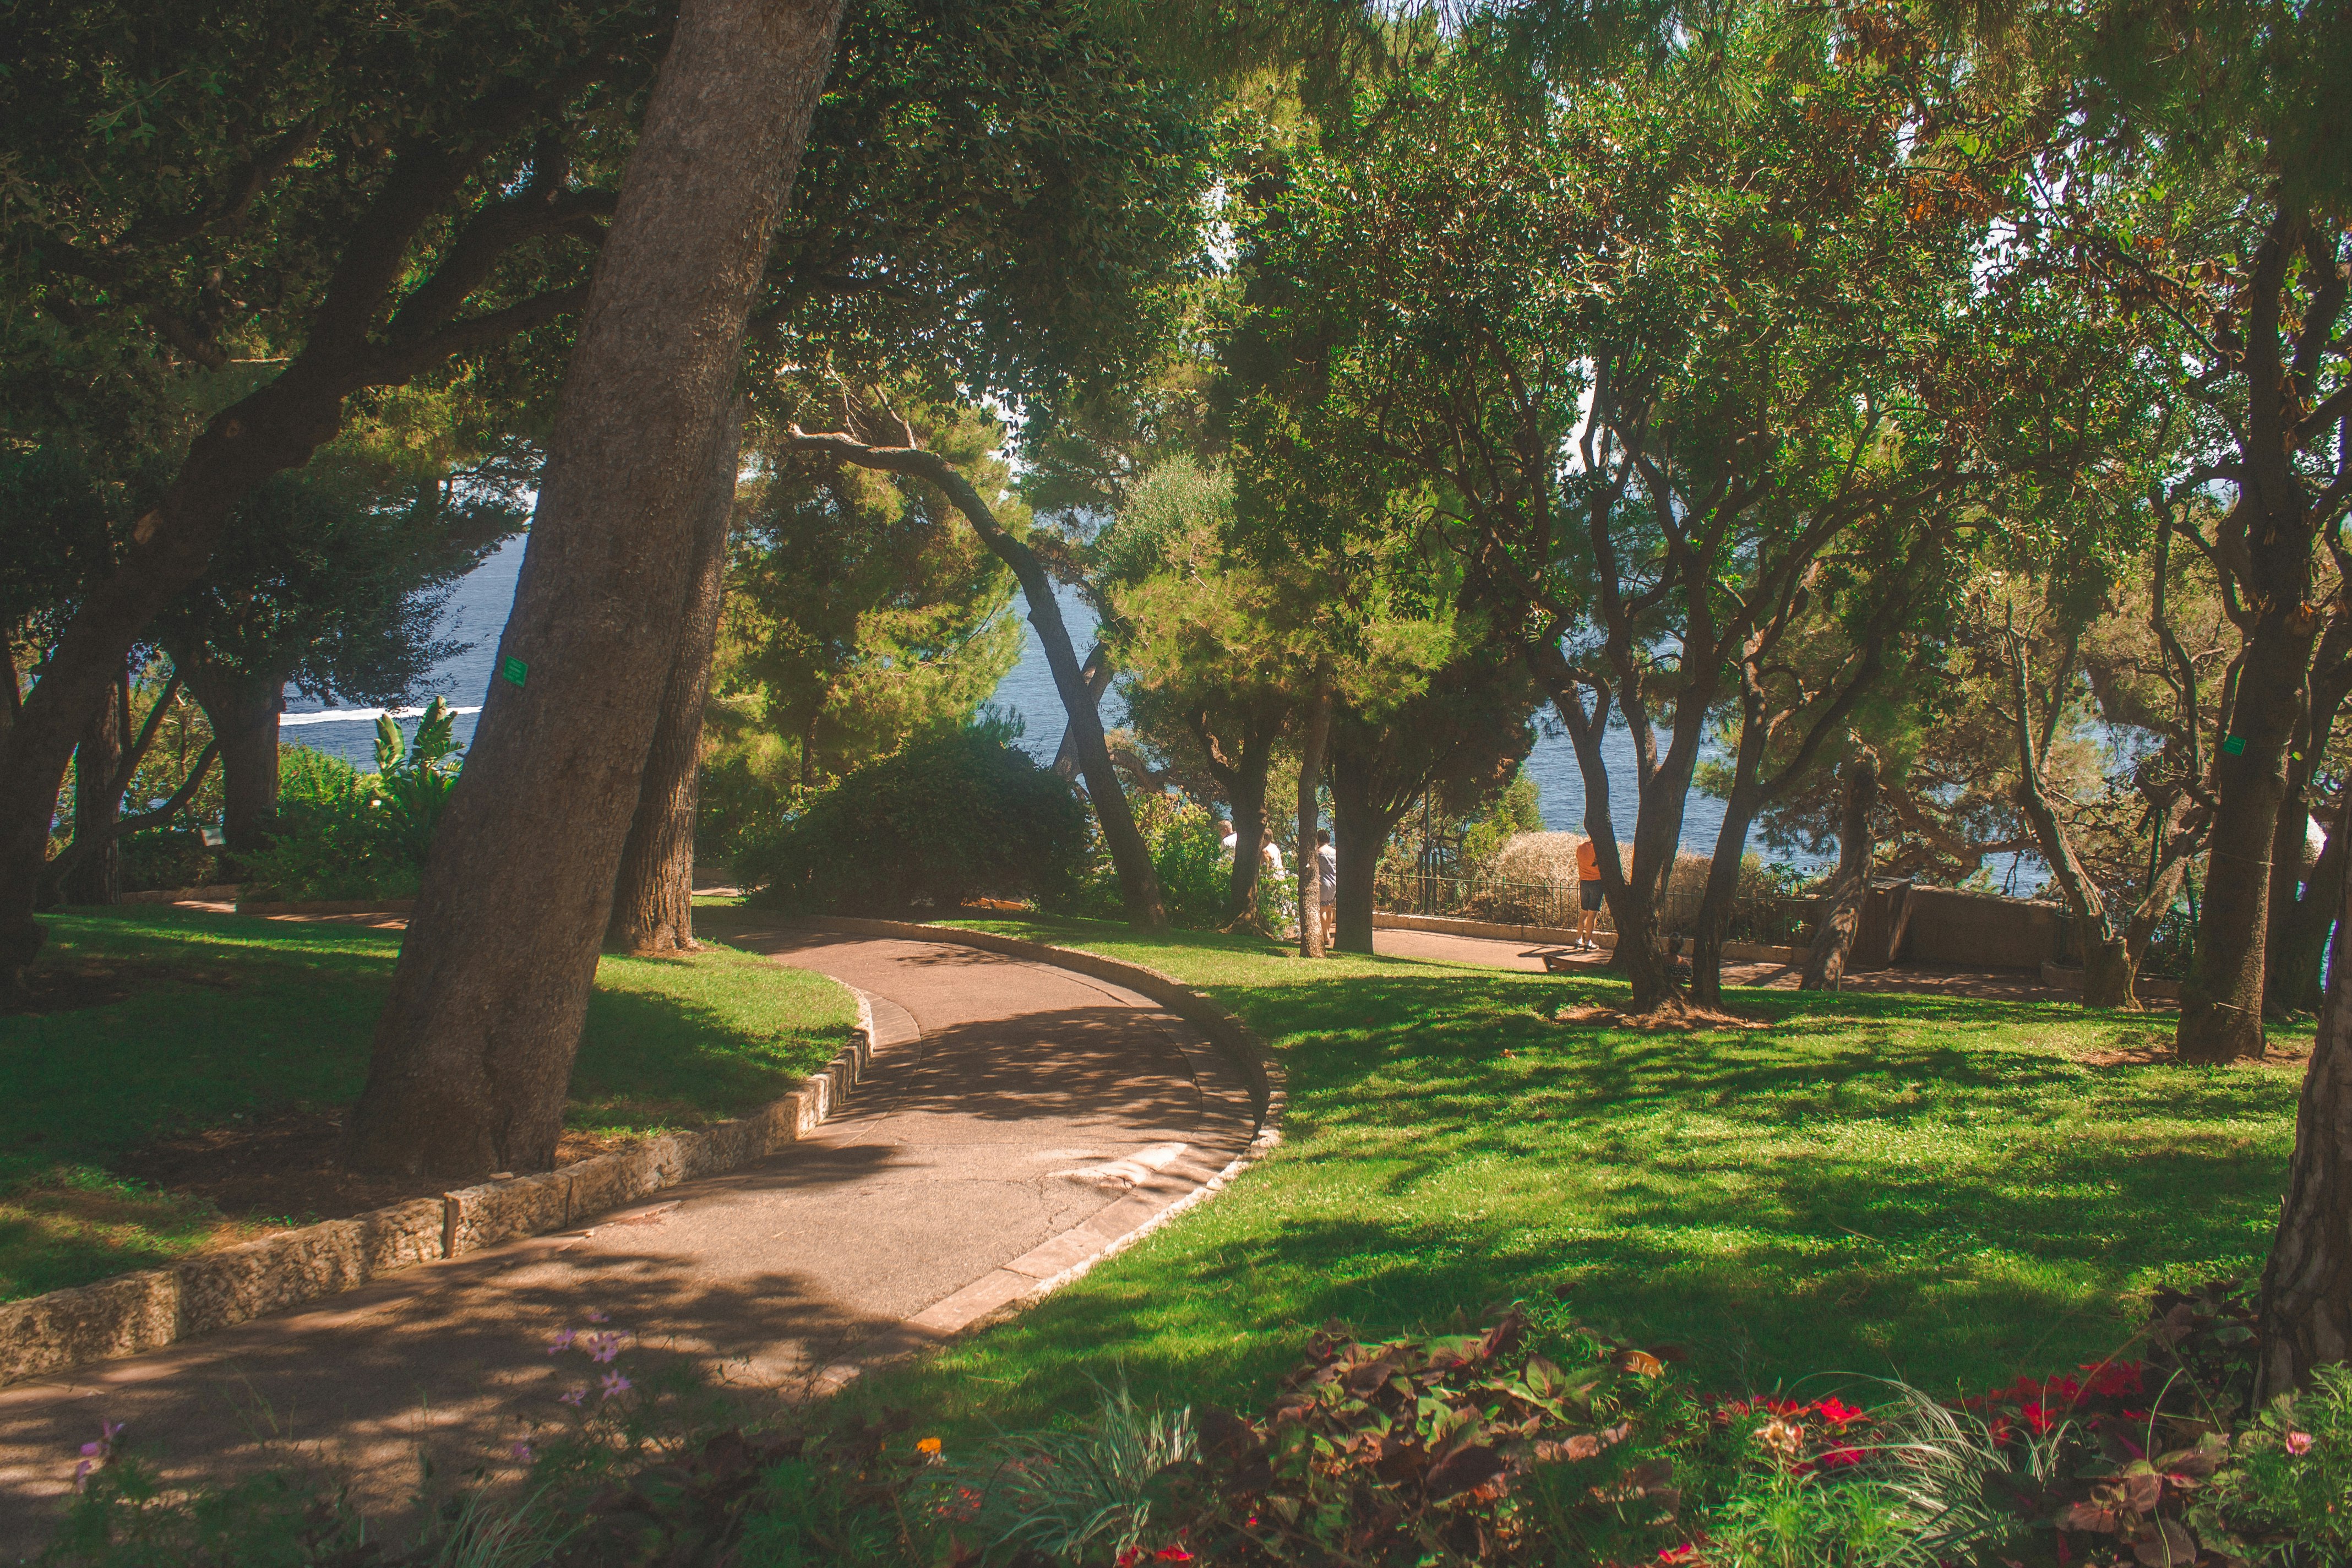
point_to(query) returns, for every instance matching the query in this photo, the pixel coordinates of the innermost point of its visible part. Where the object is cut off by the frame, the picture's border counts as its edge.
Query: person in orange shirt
(1588, 892)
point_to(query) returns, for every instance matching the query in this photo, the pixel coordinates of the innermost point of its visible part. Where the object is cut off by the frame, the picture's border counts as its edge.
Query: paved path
(1017, 1119)
(1498, 952)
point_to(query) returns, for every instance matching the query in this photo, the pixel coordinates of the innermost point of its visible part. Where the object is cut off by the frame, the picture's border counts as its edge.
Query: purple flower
(92, 1450)
(598, 1318)
(2298, 1443)
(561, 1342)
(613, 1383)
(81, 1474)
(521, 1451)
(602, 1347)
(108, 1431)
(573, 1396)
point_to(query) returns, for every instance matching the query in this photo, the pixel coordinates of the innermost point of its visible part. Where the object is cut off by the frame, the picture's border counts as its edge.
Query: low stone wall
(157, 1306)
(217, 893)
(329, 907)
(1737, 951)
(1976, 930)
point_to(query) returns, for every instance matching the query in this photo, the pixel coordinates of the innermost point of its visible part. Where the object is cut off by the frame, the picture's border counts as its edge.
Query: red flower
(1172, 1554)
(1839, 1459)
(2038, 1420)
(1837, 1411)
(1683, 1553)
(2113, 1379)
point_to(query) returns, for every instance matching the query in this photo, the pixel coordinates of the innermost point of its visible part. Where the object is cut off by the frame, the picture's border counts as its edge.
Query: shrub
(1188, 855)
(958, 816)
(342, 834)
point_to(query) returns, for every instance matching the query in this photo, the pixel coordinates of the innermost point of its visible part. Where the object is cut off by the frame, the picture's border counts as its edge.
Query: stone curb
(330, 907)
(1005, 1291)
(133, 1313)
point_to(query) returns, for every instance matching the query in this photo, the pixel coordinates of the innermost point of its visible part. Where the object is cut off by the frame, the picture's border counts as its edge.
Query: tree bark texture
(98, 798)
(1358, 824)
(472, 1052)
(244, 717)
(1241, 774)
(2221, 1005)
(1139, 884)
(653, 897)
(1312, 735)
(1840, 916)
(2299, 929)
(2304, 1317)
(1097, 675)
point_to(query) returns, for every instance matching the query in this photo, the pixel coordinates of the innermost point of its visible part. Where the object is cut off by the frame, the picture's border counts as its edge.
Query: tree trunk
(2306, 1309)
(1312, 738)
(1640, 952)
(244, 717)
(652, 897)
(1248, 791)
(1363, 829)
(1834, 932)
(2110, 973)
(2221, 1005)
(1097, 675)
(474, 1051)
(97, 799)
(1713, 928)
(2302, 909)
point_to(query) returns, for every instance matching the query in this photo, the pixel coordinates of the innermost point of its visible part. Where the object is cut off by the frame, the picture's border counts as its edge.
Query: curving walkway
(1016, 1122)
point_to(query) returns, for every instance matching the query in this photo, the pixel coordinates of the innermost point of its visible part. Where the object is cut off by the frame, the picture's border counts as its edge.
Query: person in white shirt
(1268, 851)
(1327, 883)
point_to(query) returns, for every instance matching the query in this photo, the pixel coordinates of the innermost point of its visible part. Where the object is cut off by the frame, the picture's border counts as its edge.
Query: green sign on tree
(513, 670)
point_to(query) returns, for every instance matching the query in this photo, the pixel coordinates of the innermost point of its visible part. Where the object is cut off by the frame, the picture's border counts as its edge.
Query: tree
(859, 614)
(1460, 739)
(337, 204)
(2204, 184)
(473, 1050)
(1208, 642)
(1138, 885)
(1640, 356)
(331, 579)
(653, 896)
(1840, 906)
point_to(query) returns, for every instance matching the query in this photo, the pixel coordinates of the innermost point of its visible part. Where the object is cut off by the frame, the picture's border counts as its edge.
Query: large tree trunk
(1096, 677)
(97, 799)
(474, 1051)
(1363, 830)
(2221, 1005)
(1713, 928)
(2306, 1310)
(244, 717)
(653, 897)
(1840, 916)
(2302, 910)
(1248, 792)
(1313, 737)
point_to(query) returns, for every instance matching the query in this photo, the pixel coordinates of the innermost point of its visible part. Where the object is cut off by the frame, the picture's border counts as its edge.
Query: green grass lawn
(1875, 1185)
(228, 1018)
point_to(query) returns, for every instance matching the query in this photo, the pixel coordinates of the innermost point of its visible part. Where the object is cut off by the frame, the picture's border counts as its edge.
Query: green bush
(1187, 853)
(958, 816)
(342, 833)
(167, 857)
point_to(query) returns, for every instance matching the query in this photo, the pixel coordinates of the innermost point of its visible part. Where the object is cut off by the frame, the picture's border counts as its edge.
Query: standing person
(1588, 893)
(1225, 833)
(1327, 884)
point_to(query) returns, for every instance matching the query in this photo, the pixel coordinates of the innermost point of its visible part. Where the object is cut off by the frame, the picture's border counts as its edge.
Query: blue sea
(477, 612)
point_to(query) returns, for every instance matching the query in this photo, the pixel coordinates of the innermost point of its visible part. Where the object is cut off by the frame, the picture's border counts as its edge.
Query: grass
(220, 1019)
(1942, 1190)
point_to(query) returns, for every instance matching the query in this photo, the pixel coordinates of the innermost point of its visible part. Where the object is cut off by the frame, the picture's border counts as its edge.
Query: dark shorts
(1590, 893)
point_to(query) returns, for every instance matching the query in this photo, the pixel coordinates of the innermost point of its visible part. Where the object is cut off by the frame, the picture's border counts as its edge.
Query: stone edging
(1233, 1039)
(133, 1313)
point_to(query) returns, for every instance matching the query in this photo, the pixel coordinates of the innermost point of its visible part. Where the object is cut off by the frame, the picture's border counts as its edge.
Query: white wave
(357, 715)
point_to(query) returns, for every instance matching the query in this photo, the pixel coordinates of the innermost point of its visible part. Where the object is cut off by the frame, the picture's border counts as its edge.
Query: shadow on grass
(278, 1016)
